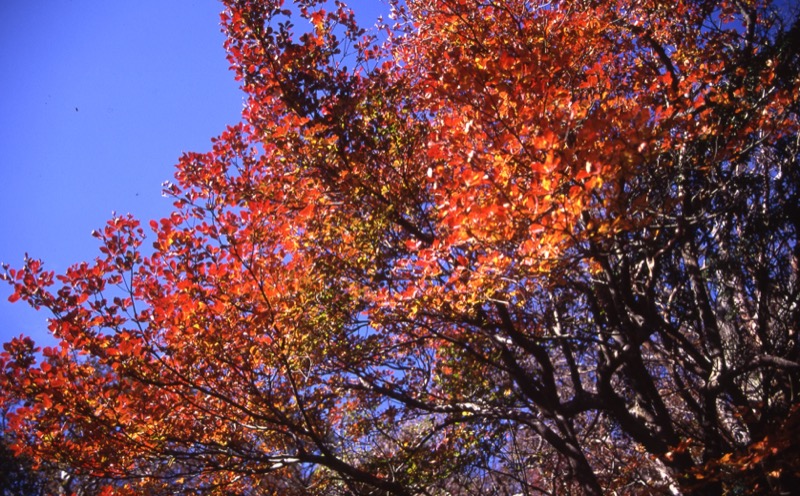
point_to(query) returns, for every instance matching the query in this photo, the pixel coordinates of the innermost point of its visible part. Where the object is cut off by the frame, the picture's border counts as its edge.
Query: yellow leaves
(318, 19)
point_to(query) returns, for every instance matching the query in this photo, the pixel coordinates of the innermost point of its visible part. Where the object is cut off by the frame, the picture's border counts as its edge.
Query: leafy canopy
(497, 247)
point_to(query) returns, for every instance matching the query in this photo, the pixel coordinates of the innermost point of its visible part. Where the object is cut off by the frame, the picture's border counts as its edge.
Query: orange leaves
(381, 258)
(318, 19)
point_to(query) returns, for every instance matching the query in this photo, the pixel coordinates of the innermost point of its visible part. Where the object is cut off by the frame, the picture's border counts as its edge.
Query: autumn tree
(497, 247)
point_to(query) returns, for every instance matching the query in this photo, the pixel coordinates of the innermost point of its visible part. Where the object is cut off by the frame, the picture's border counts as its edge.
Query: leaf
(491, 247)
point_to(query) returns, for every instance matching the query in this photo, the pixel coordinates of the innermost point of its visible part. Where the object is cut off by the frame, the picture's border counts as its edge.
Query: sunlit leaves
(485, 254)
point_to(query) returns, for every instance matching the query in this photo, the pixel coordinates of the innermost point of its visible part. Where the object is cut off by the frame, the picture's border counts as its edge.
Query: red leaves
(19, 352)
(373, 270)
(318, 19)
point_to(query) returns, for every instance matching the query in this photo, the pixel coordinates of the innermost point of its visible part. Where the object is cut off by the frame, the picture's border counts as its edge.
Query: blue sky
(98, 100)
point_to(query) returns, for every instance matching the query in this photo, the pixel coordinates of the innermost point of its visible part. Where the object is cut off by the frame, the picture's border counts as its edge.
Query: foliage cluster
(496, 247)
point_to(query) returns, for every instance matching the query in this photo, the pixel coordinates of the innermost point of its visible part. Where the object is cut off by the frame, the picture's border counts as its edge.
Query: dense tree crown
(492, 247)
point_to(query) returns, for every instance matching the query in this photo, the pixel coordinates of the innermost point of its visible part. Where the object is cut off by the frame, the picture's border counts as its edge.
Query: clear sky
(98, 99)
